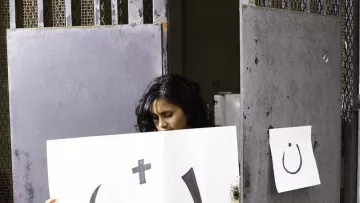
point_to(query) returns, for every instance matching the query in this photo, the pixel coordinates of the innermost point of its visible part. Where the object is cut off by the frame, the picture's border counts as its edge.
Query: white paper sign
(293, 158)
(186, 166)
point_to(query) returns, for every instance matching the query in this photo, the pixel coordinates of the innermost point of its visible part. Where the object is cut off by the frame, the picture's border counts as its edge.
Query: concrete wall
(211, 45)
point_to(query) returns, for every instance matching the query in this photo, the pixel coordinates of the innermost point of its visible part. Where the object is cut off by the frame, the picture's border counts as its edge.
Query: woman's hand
(51, 201)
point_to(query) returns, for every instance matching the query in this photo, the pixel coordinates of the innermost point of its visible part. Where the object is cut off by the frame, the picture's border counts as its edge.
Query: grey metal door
(72, 82)
(290, 76)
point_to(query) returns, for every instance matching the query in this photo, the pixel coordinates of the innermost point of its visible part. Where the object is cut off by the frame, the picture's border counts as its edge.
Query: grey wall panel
(71, 82)
(290, 76)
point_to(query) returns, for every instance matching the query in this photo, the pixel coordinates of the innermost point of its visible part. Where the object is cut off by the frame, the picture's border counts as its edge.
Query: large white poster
(185, 166)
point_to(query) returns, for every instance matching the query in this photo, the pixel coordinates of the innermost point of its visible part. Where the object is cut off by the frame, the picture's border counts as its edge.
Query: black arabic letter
(300, 165)
(93, 196)
(190, 181)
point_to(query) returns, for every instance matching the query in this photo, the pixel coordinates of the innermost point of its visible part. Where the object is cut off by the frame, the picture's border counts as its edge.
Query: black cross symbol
(141, 170)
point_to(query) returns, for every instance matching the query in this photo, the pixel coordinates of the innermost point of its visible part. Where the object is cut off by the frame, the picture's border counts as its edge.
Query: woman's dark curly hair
(177, 90)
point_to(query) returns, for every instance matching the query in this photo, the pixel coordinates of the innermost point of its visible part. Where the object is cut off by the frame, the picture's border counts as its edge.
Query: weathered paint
(73, 82)
(164, 39)
(40, 12)
(114, 12)
(97, 12)
(12, 14)
(286, 81)
(68, 12)
(160, 11)
(136, 11)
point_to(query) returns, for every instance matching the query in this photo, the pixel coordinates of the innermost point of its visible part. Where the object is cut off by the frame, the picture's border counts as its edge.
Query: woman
(171, 102)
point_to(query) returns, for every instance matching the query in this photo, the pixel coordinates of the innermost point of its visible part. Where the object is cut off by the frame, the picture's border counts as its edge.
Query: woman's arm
(51, 201)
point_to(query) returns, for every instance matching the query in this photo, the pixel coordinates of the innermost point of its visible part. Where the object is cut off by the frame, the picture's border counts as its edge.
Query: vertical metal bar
(68, 12)
(12, 14)
(357, 35)
(164, 41)
(136, 12)
(97, 12)
(40, 10)
(241, 123)
(308, 5)
(350, 159)
(358, 164)
(160, 11)
(114, 12)
(351, 128)
(356, 89)
(289, 3)
(325, 7)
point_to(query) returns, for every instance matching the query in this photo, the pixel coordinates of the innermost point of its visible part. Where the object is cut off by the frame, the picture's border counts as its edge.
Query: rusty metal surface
(290, 76)
(63, 86)
(165, 40)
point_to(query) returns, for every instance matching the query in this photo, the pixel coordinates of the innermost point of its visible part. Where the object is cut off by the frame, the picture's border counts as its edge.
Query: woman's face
(167, 116)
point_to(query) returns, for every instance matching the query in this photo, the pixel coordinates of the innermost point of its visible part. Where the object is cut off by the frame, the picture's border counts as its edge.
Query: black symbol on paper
(190, 181)
(189, 178)
(300, 165)
(93, 196)
(141, 170)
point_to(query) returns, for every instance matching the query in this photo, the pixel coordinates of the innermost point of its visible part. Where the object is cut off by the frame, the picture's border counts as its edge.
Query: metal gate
(17, 14)
(348, 10)
(83, 15)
